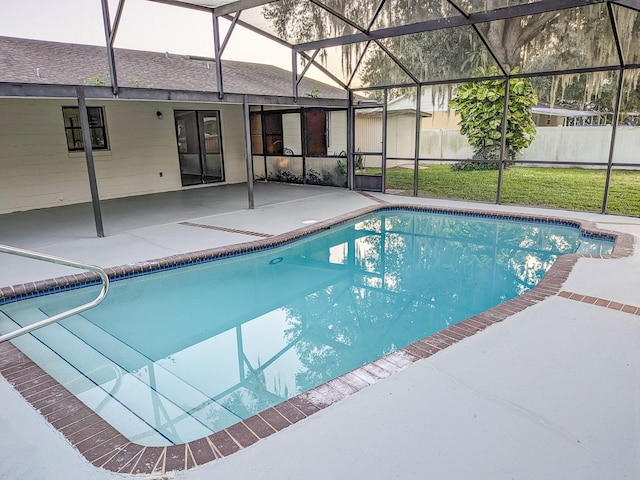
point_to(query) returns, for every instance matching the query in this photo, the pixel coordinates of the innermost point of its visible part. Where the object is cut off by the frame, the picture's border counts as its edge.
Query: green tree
(480, 106)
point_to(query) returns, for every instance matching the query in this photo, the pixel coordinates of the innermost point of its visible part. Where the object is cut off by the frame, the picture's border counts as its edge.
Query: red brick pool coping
(106, 448)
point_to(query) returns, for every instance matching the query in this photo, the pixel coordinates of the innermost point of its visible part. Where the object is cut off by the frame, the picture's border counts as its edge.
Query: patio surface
(552, 392)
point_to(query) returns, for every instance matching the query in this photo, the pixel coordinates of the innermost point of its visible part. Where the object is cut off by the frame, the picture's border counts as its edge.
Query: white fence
(552, 144)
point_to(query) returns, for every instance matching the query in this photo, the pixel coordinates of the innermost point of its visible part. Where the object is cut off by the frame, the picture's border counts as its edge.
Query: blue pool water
(173, 356)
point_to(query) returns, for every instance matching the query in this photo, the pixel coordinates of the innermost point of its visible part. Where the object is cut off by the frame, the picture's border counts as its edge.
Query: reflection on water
(228, 339)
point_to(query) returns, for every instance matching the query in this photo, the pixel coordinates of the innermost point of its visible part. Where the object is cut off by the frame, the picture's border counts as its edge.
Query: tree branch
(534, 27)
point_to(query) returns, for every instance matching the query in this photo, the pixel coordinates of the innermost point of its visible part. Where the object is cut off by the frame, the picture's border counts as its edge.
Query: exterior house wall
(542, 120)
(401, 135)
(232, 129)
(33, 148)
(441, 120)
(259, 168)
(368, 138)
(37, 170)
(368, 133)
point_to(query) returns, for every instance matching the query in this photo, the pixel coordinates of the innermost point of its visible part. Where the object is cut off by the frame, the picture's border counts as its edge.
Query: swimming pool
(174, 356)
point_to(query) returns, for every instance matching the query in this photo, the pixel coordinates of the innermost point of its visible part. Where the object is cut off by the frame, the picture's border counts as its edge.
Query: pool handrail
(60, 261)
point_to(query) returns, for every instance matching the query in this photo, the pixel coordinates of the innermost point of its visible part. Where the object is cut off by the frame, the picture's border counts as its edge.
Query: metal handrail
(60, 261)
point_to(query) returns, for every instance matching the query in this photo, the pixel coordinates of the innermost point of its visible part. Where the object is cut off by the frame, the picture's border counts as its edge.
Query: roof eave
(39, 90)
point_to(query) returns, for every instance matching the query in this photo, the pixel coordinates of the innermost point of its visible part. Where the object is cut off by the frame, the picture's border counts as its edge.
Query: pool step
(153, 374)
(124, 394)
(36, 346)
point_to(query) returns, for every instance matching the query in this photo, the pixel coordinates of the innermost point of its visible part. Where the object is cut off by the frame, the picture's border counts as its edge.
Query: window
(315, 127)
(273, 138)
(73, 129)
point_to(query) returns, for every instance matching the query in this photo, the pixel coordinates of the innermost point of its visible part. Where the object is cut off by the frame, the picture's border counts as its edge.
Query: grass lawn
(567, 188)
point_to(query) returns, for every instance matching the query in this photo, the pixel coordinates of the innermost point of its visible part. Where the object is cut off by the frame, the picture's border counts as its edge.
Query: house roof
(45, 62)
(432, 100)
(545, 109)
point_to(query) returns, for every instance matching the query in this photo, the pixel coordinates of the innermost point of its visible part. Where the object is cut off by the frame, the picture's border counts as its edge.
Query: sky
(144, 25)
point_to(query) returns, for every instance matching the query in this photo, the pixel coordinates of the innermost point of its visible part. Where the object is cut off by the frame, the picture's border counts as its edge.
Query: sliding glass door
(199, 146)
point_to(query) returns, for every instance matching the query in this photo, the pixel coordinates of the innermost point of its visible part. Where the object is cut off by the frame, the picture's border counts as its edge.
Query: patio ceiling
(364, 44)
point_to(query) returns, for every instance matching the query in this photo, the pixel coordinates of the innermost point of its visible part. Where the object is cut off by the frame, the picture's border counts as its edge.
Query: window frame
(73, 128)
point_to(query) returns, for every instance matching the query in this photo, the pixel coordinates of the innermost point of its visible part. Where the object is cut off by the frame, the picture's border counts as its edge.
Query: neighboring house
(546, 116)
(401, 121)
(166, 130)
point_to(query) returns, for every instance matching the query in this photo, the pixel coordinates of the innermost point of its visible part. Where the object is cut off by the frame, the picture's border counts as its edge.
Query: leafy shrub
(480, 106)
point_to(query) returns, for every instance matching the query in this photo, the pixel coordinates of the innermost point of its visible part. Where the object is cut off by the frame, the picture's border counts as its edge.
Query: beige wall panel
(337, 132)
(258, 167)
(401, 134)
(441, 120)
(232, 124)
(292, 132)
(368, 133)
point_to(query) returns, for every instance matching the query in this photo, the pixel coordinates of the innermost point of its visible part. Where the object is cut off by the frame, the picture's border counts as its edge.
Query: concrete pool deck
(551, 392)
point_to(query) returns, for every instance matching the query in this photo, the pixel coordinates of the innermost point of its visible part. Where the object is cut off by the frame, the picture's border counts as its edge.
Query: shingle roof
(45, 62)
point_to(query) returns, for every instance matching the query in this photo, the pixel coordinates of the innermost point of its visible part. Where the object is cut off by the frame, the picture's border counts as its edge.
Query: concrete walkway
(552, 392)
